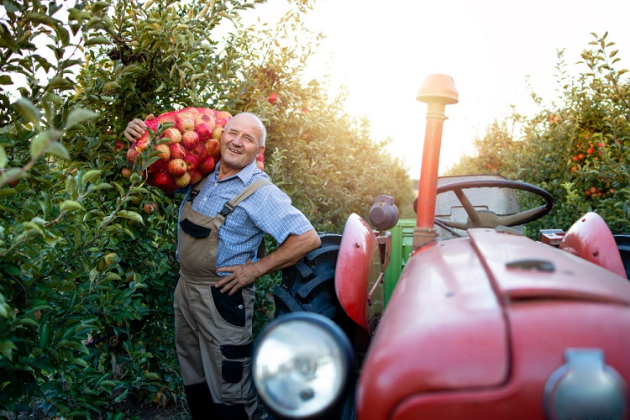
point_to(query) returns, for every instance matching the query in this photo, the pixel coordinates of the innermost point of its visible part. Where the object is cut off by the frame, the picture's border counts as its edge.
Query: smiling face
(240, 144)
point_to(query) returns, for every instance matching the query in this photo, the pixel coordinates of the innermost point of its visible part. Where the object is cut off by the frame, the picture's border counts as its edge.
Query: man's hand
(242, 275)
(288, 253)
(136, 128)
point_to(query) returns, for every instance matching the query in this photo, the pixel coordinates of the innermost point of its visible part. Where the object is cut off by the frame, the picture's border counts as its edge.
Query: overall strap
(195, 190)
(229, 207)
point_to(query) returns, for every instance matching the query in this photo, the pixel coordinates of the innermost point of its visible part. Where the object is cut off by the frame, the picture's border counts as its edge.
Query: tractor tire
(309, 285)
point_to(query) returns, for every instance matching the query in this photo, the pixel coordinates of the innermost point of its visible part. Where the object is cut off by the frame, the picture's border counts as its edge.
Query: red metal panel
(541, 332)
(443, 330)
(572, 277)
(354, 266)
(590, 238)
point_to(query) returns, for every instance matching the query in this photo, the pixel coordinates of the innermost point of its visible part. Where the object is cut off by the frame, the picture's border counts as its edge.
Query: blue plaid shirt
(268, 210)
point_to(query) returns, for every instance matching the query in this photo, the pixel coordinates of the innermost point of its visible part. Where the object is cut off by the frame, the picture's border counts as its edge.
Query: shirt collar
(244, 174)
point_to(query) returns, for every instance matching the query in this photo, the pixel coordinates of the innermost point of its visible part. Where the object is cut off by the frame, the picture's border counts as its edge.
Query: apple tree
(576, 148)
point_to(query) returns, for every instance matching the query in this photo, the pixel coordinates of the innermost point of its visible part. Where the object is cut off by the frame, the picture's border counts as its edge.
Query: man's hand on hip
(242, 275)
(288, 253)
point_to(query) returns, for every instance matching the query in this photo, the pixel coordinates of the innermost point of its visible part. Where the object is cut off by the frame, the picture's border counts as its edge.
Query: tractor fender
(358, 269)
(590, 238)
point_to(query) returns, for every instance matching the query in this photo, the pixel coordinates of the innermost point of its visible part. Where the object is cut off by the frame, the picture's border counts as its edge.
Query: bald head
(251, 117)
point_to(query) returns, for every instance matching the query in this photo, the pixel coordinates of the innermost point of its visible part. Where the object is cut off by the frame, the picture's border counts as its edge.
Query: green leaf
(74, 345)
(79, 362)
(96, 40)
(107, 383)
(41, 18)
(28, 111)
(11, 6)
(63, 35)
(70, 205)
(110, 86)
(119, 187)
(78, 115)
(111, 276)
(40, 142)
(7, 192)
(101, 186)
(90, 176)
(58, 149)
(8, 38)
(6, 347)
(12, 269)
(27, 321)
(122, 396)
(131, 215)
(3, 157)
(60, 83)
(5, 80)
(44, 335)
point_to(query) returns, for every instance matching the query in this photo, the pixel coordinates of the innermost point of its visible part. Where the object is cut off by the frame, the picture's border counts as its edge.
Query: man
(221, 226)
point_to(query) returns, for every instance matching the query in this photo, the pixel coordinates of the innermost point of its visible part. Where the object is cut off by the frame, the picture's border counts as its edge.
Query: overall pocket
(194, 230)
(230, 307)
(236, 384)
(194, 249)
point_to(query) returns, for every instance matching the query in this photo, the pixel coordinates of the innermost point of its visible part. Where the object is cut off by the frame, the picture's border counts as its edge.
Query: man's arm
(288, 253)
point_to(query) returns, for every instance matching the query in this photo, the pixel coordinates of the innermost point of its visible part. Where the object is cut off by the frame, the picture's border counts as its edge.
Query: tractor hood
(447, 325)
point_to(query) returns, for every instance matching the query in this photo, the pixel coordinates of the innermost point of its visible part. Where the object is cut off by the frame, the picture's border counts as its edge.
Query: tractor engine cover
(490, 326)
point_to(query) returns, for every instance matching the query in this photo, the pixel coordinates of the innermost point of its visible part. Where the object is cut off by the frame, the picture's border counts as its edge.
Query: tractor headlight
(302, 365)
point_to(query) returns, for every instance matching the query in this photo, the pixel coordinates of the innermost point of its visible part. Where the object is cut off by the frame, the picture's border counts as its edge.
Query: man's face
(240, 142)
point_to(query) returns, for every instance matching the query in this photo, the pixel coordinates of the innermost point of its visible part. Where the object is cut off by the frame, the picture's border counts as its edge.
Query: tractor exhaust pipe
(438, 90)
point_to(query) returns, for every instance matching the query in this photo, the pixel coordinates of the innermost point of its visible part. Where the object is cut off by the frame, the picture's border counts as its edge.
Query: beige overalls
(213, 330)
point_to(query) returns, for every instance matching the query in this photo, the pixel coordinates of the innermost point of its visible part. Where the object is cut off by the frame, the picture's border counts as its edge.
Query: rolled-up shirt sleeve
(275, 215)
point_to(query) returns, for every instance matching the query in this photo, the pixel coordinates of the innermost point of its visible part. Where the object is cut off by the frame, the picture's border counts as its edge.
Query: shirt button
(216, 183)
(240, 306)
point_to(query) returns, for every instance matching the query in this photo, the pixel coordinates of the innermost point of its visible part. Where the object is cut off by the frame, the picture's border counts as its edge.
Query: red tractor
(483, 322)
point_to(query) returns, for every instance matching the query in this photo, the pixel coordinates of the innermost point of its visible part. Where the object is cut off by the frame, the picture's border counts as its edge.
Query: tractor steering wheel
(489, 219)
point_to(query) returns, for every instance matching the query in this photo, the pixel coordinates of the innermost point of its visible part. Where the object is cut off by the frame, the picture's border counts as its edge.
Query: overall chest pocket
(194, 230)
(197, 248)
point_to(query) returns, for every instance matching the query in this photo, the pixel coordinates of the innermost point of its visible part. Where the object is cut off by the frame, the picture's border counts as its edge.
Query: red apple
(165, 151)
(195, 177)
(191, 163)
(213, 147)
(158, 166)
(190, 140)
(216, 134)
(199, 152)
(125, 172)
(177, 151)
(185, 124)
(183, 180)
(142, 144)
(150, 208)
(132, 153)
(177, 167)
(272, 98)
(221, 122)
(169, 117)
(172, 134)
(260, 165)
(203, 130)
(164, 181)
(119, 146)
(223, 114)
(206, 166)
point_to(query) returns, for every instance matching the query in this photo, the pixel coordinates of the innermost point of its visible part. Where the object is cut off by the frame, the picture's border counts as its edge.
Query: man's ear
(261, 151)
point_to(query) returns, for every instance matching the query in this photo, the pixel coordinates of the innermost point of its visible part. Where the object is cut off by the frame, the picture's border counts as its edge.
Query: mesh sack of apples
(188, 150)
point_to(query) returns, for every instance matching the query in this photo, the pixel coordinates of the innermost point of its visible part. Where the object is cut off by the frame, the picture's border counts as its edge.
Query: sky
(383, 51)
